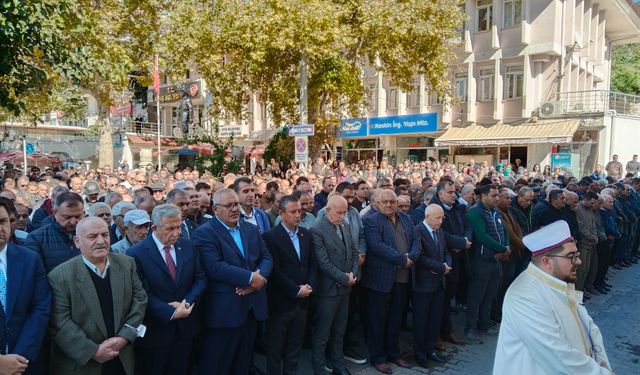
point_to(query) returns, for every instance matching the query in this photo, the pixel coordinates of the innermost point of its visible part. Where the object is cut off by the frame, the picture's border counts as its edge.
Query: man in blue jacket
(54, 242)
(237, 264)
(25, 303)
(246, 190)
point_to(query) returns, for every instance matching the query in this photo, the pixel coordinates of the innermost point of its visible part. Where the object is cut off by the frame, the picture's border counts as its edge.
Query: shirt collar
(291, 234)
(3, 254)
(94, 268)
(158, 243)
(237, 227)
(431, 230)
(253, 211)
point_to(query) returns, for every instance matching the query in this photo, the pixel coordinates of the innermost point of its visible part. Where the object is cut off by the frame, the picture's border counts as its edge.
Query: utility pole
(304, 114)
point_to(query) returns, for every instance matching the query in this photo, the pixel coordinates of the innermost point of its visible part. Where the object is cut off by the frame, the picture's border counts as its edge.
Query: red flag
(156, 77)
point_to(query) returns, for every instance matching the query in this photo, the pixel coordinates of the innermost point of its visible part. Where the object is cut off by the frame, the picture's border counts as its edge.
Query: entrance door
(518, 153)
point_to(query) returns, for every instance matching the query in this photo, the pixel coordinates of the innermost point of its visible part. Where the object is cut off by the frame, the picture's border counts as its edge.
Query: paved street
(617, 314)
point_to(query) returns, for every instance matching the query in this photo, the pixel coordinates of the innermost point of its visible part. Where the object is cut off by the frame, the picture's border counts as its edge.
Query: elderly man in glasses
(545, 328)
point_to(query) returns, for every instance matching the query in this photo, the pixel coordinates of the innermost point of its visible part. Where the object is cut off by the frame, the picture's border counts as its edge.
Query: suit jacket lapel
(15, 265)
(179, 259)
(116, 276)
(226, 236)
(154, 254)
(287, 240)
(88, 292)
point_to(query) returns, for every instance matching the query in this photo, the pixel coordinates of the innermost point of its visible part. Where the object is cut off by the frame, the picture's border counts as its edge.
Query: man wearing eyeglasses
(545, 328)
(237, 264)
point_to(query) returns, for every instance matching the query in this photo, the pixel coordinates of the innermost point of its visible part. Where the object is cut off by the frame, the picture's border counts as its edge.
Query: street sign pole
(304, 118)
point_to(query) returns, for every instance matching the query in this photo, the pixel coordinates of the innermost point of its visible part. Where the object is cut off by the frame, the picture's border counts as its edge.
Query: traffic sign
(30, 148)
(301, 130)
(301, 145)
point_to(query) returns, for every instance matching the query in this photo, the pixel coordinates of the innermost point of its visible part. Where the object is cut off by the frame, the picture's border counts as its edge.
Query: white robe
(545, 330)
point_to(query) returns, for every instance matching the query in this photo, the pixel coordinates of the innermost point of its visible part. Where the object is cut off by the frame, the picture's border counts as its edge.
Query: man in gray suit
(337, 261)
(98, 306)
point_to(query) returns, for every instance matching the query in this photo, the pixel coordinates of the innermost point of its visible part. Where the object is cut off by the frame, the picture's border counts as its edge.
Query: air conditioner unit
(551, 109)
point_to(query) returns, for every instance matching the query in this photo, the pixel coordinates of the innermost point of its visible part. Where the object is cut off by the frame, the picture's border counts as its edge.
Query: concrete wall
(620, 136)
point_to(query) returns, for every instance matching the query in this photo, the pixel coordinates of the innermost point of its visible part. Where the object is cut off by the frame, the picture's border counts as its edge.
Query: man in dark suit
(386, 275)
(181, 199)
(428, 282)
(292, 282)
(172, 275)
(98, 307)
(337, 261)
(237, 264)
(26, 302)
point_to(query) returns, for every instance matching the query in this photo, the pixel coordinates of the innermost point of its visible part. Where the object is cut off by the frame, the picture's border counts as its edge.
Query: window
(485, 15)
(392, 98)
(263, 109)
(512, 12)
(434, 98)
(373, 97)
(514, 82)
(413, 101)
(461, 86)
(486, 85)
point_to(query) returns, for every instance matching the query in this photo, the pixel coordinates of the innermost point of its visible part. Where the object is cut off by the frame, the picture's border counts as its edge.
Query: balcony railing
(597, 101)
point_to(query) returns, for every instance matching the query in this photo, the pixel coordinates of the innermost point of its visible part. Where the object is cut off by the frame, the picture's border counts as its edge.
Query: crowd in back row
(175, 273)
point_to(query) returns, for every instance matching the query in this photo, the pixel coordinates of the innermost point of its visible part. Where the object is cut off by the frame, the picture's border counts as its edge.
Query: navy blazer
(383, 258)
(289, 270)
(227, 269)
(428, 269)
(161, 290)
(24, 324)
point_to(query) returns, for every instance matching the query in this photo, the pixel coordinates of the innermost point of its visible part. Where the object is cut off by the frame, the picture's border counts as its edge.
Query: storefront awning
(479, 135)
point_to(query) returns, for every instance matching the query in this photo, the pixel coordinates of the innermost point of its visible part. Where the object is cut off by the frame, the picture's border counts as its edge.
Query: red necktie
(170, 264)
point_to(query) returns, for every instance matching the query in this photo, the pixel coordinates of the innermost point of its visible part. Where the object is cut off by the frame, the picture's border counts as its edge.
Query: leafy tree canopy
(625, 72)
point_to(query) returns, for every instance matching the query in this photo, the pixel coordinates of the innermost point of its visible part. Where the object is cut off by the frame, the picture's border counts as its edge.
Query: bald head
(92, 238)
(572, 199)
(336, 209)
(433, 216)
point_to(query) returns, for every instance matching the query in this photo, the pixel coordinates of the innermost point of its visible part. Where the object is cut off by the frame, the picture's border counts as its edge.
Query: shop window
(485, 15)
(486, 85)
(514, 82)
(512, 12)
(461, 86)
(392, 98)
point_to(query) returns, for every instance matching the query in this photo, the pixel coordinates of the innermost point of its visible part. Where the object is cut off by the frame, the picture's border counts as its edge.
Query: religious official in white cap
(545, 328)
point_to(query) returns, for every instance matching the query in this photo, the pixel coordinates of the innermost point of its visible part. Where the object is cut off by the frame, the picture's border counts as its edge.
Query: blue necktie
(3, 290)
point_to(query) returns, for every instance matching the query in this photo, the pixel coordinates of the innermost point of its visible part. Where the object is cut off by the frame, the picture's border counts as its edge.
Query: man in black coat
(292, 282)
(455, 225)
(548, 211)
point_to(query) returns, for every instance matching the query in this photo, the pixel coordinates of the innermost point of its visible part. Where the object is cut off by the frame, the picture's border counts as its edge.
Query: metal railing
(596, 101)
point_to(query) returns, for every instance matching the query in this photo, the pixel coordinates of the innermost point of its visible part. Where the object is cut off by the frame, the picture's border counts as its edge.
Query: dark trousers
(384, 322)
(506, 275)
(465, 274)
(285, 333)
(620, 248)
(446, 327)
(593, 267)
(427, 315)
(586, 249)
(483, 288)
(228, 351)
(355, 320)
(520, 263)
(164, 360)
(604, 255)
(329, 325)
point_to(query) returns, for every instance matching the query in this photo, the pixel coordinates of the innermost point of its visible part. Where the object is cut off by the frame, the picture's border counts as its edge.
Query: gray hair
(57, 190)
(428, 194)
(175, 192)
(118, 207)
(164, 210)
(467, 188)
(218, 194)
(524, 190)
(110, 195)
(94, 207)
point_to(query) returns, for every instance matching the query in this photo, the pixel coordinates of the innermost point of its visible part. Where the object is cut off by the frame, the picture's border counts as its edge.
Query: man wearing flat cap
(545, 328)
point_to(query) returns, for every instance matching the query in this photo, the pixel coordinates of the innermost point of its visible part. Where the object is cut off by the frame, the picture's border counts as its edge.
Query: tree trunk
(105, 147)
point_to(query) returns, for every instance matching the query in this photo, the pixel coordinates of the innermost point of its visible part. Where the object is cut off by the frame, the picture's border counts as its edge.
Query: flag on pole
(156, 77)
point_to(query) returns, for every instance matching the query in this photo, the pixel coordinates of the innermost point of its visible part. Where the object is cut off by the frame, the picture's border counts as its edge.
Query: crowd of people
(122, 271)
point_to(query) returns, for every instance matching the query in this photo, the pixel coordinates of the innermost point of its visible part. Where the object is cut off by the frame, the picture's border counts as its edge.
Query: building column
(498, 106)
(528, 89)
(471, 93)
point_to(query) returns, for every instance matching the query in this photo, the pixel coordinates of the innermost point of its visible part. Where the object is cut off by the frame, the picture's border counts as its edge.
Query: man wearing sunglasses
(545, 328)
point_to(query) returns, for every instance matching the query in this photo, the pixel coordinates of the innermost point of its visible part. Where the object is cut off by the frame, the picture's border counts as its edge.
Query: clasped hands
(109, 349)
(183, 309)
(257, 282)
(13, 364)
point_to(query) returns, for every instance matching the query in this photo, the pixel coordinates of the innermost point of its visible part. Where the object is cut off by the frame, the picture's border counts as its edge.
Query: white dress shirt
(160, 246)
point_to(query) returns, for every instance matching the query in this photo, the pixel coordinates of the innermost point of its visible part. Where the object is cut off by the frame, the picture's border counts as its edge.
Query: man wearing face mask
(545, 328)
(171, 320)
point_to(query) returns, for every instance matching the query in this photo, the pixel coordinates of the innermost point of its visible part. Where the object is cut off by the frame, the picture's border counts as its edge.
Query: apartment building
(532, 81)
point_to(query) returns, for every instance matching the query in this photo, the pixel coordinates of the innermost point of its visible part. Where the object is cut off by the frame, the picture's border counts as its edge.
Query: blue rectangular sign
(562, 160)
(415, 123)
(301, 130)
(354, 127)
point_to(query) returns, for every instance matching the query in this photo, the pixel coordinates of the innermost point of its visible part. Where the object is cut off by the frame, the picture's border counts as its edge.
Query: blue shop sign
(353, 127)
(415, 123)
(562, 160)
